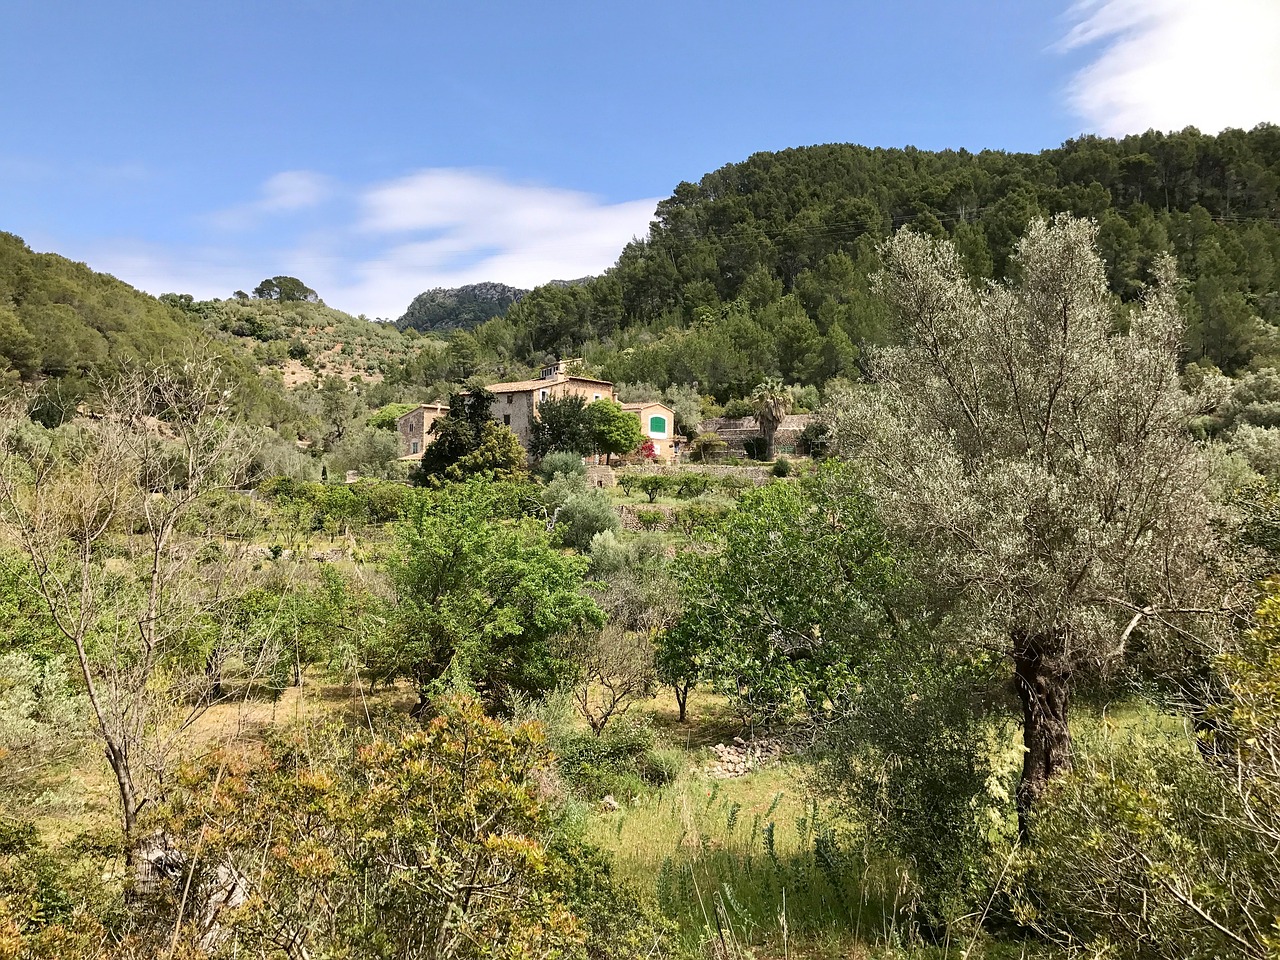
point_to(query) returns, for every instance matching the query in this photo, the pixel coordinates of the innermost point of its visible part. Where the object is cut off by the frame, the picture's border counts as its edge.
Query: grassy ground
(745, 862)
(746, 866)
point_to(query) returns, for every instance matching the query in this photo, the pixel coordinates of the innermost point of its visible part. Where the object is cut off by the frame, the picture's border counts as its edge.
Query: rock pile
(742, 756)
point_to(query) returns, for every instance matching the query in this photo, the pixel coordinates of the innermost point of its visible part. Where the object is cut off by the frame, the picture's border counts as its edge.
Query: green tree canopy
(561, 426)
(466, 442)
(613, 430)
(285, 289)
(481, 597)
(797, 588)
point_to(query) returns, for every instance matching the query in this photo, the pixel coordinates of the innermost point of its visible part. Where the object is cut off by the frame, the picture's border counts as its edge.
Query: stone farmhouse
(414, 429)
(516, 406)
(658, 424)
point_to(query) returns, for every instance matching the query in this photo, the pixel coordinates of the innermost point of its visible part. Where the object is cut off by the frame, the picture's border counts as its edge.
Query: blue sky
(377, 149)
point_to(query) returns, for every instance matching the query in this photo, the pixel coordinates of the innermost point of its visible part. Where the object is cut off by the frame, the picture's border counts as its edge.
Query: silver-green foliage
(580, 512)
(1037, 462)
(42, 717)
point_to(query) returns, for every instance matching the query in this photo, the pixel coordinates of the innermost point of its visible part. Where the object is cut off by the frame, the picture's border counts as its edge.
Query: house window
(413, 447)
(506, 419)
(596, 397)
(658, 425)
(542, 394)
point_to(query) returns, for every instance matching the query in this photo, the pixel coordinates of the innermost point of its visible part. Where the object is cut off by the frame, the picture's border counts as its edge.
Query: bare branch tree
(99, 510)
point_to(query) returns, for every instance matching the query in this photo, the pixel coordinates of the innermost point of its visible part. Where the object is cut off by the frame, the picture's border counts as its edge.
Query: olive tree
(1035, 459)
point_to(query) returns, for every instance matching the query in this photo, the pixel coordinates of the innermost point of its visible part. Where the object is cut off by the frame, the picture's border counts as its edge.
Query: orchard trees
(1037, 461)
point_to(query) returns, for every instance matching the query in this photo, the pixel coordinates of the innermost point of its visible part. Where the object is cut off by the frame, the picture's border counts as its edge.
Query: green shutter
(657, 424)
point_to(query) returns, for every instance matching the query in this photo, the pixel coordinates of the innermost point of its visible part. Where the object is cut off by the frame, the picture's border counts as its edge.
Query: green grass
(748, 862)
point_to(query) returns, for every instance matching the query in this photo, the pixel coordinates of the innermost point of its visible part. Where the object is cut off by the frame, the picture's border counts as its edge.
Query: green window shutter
(657, 424)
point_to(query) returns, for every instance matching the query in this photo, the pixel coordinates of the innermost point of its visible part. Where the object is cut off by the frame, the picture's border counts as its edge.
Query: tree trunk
(213, 673)
(118, 760)
(682, 699)
(1044, 687)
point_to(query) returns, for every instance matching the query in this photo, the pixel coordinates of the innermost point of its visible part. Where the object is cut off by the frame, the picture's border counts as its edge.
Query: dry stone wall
(739, 758)
(737, 431)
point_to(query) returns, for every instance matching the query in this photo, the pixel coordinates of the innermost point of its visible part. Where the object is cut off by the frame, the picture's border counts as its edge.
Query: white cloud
(447, 227)
(439, 227)
(1168, 64)
(286, 192)
(294, 190)
(204, 272)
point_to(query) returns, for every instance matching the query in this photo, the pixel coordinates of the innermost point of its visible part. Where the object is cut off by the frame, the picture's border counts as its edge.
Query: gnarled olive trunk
(1044, 687)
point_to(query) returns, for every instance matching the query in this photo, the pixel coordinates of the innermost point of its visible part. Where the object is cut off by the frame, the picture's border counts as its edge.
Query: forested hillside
(455, 308)
(762, 266)
(761, 269)
(58, 317)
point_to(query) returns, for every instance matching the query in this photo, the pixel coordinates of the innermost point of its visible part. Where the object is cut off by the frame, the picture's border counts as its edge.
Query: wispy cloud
(446, 227)
(286, 192)
(388, 241)
(1168, 64)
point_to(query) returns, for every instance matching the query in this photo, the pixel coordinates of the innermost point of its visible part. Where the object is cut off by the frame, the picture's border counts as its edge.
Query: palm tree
(772, 400)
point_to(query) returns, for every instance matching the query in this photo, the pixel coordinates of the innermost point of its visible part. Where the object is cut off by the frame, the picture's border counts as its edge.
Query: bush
(580, 512)
(1158, 845)
(734, 485)
(653, 485)
(53, 903)
(610, 555)
(622, 761)
(561, 464)
(813, 439)
(737, 408)
(912, 753)
(782, 468)
(698, 516)
(651, 519)
(1142, 848)
(705, 446)
(585, 516)
(383, 500)
(42, 717)
(690, 484)
(397, 829)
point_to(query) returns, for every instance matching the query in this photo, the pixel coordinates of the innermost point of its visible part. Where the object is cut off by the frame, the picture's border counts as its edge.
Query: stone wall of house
(736, 431)
(415, 427)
